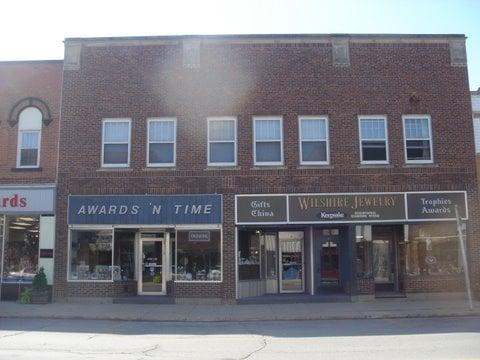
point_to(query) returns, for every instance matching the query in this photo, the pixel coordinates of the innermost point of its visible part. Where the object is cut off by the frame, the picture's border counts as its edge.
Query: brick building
(30, 94)
(228, 167)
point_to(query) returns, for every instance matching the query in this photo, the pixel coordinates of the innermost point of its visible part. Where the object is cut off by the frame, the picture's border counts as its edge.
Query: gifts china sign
(349, 208)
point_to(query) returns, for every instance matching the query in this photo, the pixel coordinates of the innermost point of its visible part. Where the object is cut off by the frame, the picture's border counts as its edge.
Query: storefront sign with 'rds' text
(145, 209)
(349, 208)
(24, 199)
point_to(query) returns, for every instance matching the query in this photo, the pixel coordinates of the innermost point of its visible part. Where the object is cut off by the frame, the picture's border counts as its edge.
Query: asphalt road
(434, 338)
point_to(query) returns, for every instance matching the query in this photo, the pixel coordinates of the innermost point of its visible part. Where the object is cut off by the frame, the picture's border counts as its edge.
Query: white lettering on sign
(193, 209)
(436, 206)
(105, 209)
(262, 213)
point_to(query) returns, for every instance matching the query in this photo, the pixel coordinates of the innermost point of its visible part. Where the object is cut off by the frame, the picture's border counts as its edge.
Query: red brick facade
(20, 80)
(246, 76)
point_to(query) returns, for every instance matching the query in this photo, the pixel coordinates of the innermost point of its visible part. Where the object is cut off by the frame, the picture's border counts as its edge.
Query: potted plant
(39, 288)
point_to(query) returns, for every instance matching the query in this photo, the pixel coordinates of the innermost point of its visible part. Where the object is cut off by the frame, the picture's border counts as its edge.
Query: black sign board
(346, 207)
(434, 206)
(263, 209)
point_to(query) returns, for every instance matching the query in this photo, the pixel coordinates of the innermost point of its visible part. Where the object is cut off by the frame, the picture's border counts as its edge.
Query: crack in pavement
(263, 345)
(145, 352)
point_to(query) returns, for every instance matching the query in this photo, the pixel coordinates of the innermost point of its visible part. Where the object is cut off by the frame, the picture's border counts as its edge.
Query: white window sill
(415, 165)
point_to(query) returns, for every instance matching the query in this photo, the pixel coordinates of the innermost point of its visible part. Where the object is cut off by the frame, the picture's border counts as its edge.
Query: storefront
(27, 236)
(378, 244)
(145, 244)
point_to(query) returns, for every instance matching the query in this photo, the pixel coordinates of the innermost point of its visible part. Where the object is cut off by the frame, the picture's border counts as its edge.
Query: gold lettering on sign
(346, 201)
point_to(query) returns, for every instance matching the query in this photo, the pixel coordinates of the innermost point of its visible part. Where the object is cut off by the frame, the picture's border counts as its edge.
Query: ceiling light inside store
(17, 228)
(21, 223)
(27, 219)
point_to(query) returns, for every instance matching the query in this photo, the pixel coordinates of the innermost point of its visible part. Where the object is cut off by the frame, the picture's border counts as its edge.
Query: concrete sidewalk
(380, 308)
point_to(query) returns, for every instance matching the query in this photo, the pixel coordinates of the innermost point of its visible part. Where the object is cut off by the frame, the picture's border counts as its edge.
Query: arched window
(29, 136)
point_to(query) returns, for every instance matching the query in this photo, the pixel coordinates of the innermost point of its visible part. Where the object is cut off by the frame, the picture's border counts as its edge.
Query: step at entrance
(144, 300)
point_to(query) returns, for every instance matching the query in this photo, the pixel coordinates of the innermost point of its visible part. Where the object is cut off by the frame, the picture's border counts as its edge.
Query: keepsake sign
(145, 209)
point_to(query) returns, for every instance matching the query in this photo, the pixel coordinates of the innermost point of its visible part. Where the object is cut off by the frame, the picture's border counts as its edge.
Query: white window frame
(267, 163)
(112, 120)
(430, 139)
(222, 118)
(162, 119)
(300, 140)
(19, 146)
(360, 139)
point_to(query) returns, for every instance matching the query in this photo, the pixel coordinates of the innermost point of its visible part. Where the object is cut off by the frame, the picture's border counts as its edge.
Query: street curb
(369, 316)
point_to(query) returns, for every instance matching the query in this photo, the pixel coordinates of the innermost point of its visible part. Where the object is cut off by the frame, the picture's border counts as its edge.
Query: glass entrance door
(291, 261)
(382, 269)
(152, 277)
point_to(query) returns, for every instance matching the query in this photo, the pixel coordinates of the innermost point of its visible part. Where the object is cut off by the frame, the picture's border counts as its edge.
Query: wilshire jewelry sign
(349, 208)
(356, 207)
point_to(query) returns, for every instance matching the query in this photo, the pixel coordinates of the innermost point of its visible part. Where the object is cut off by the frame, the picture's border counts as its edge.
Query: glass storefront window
(198, 255)
(363, 240)
(124, 255)
(433, 249)
(21, 248)
(249, 255)
(91, 255)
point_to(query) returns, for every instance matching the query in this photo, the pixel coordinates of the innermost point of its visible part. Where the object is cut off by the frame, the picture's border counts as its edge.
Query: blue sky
(35, 29)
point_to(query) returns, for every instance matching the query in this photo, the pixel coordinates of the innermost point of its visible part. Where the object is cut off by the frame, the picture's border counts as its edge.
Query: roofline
(13, 62)
(274, 37)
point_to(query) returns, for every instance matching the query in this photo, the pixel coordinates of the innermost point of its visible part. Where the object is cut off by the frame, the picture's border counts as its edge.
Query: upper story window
(476, 132)
(314, 146)
(116, 143)
(222, 138)
(29, 137)
(161, 149)
(373, 139)
(418, 139)
(268, 139)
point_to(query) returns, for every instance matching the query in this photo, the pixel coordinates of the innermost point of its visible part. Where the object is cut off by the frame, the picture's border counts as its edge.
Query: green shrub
(39, 282)
(26, 296)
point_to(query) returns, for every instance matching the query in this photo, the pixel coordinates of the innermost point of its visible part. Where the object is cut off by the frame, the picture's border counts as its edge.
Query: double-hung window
(418, 139)
(222, 138)
(373, 139)
(29, 135)
(268, 139)
(161, 141)
(314, 147)
(116, 143)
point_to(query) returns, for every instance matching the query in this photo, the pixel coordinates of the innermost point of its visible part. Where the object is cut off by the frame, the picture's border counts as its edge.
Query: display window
(91, 255)
(433, 249)
(20, 261)
(257, 255)
(124, 255)
(198, 255)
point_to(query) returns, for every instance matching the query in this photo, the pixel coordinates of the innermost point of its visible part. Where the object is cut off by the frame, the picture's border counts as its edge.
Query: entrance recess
(328, 256)
(386, 267)
(152, 272)
(291, 261)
